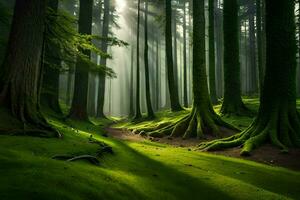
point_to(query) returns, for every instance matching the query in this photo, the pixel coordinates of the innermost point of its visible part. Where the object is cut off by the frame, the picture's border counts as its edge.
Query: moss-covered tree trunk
(79, 103)
(22, 68)
(212, 61)
(232, 103)
(50, 89)
(202, 119)
(278, 120)
(173, 90)
(138, 113)
(150, 112)
(104, 47)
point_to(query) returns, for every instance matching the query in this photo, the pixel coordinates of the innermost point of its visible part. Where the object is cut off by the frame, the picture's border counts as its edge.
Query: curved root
(92, 159)
(196, 124)
(280, 130)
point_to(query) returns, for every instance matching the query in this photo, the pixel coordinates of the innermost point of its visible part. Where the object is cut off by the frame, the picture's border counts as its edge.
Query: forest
(149, 99)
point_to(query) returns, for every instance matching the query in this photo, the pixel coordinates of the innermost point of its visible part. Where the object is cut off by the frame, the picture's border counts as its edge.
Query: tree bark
(185, 85)
(232, 103)
(173, 91)
(212, 61)
(79, 104)
(104, 47)
(150, 112)
(138, 113)
(22, 68)
(259, 43)
(252, 51)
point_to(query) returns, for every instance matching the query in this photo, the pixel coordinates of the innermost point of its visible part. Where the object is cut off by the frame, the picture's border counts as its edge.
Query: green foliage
(61, 32)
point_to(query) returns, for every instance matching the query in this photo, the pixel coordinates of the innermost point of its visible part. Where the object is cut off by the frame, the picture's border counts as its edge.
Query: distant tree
(232, 103)
(278, 121)
(79, 103)
(21, 69)
(150, 112)
(138, 113)
(51, 68)
(173, 91)
(104, 48)
(212, 62)
(259, 42)
(185, 70)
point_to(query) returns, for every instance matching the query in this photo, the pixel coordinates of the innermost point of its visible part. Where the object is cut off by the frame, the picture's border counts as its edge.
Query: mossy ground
(164, 116)
(137, 170)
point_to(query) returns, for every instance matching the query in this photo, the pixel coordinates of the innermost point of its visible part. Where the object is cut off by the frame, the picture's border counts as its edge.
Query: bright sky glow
(120, 5)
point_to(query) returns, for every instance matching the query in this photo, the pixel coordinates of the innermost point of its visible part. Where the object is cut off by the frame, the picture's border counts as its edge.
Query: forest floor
(138, 169)
(266, 154)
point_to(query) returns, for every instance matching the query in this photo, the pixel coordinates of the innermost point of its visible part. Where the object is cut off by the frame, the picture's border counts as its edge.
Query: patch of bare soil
(266, 154)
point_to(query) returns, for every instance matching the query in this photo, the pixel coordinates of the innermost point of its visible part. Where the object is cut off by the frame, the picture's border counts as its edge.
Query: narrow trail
(267, 154)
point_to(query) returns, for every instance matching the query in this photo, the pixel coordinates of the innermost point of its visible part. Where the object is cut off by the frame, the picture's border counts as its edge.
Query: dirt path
(267, 154)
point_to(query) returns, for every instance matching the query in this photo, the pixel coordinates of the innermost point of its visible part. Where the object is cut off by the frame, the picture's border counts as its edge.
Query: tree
(212, 62)
(185, 84)
(253, 85)
(173, 91)
(202, 118)
(131, 90)
(278, 120)
(79, 104)
(51, 69)
(138, 113)
(146, 60)
(22, 69)
(232, 103)
(104, 47)
(259, 42)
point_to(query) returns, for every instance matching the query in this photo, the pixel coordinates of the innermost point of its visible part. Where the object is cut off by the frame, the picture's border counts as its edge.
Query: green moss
(145, 170)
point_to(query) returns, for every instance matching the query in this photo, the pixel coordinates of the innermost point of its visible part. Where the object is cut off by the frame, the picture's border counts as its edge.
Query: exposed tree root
(92, 159)
(196, 124)
(282, 129)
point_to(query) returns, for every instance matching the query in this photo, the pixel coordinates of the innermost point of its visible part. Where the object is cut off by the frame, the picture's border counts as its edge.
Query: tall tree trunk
(51, 72)
(212, 61)
(252, 51)
(219, 50)
(22, 69)
(232, 103)
(79, 103)
(138, 113)
(158, 72)
(185, 85)
(203, 118)
(175, 57)
(104, 47)
(131, 92)
(278, 121)
(150, 112)
(259, 43)
(175, 105)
